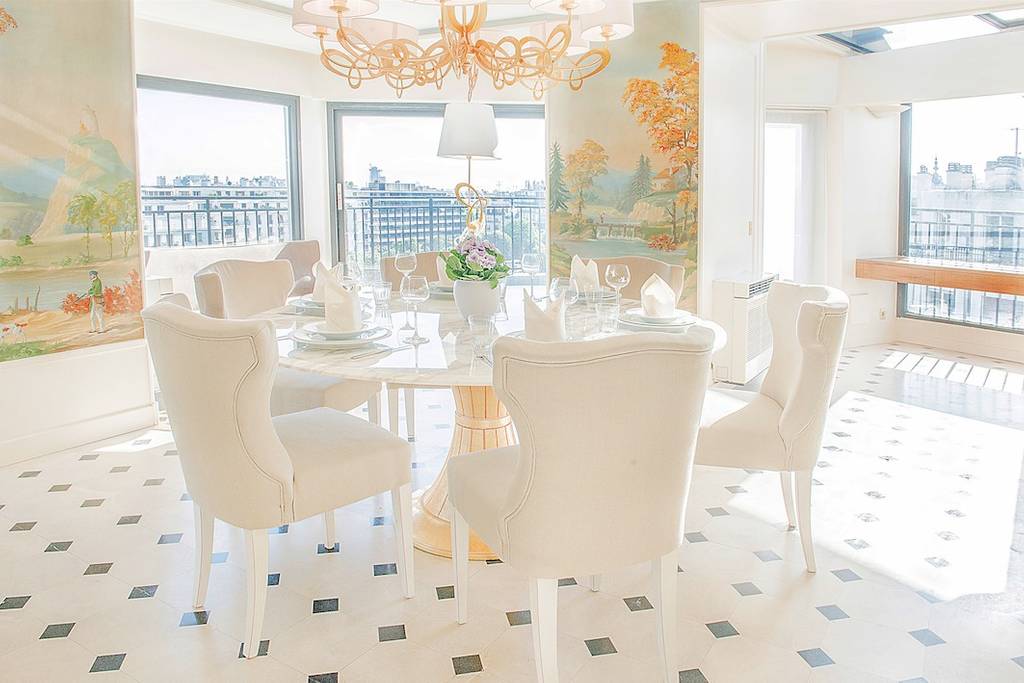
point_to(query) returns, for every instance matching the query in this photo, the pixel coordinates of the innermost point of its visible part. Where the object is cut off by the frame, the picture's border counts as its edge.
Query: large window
(963, 203)
(218, 165)
(394, 193)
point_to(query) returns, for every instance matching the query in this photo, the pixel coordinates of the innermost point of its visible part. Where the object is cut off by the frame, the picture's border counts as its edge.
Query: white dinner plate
(315, 341)
(320, 329)
(637, 315)
(442, 288)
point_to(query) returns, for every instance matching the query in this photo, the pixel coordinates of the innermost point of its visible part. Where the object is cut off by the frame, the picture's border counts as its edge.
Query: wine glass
(564, 286)
(531, 265)
(617, 277)
(415, 290)
(405, 263)
(483, 332)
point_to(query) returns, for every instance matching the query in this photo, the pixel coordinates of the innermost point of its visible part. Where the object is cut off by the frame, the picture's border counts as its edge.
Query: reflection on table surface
(447, 358)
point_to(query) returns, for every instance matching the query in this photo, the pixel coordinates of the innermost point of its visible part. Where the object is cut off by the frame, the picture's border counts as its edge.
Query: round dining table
(448, 358)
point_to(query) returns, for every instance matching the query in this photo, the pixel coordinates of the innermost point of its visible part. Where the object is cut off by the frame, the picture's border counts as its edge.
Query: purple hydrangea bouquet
(476, 260)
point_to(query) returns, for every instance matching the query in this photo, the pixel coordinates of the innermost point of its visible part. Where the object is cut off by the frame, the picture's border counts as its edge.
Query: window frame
(336, 111)
(292, 137)
(903, 241)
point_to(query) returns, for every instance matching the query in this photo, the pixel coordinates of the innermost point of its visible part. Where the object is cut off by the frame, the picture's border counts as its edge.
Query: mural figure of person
(95, 303)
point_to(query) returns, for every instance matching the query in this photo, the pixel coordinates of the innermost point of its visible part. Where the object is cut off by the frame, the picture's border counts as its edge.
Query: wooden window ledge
(979, 277)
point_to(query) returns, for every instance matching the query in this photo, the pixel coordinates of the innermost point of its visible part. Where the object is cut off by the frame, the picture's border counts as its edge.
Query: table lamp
(469, 132)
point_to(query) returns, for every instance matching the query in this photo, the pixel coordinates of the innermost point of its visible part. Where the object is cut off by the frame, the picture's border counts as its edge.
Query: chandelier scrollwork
(361, 49)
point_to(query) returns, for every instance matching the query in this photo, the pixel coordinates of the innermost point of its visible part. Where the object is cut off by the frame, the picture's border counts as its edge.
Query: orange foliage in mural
(118, 299)
(581, 167)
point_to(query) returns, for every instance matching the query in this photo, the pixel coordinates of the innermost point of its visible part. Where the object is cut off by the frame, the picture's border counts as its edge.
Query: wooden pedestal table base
(481, 422)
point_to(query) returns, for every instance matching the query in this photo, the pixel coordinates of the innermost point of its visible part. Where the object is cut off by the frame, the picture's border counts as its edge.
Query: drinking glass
(566, 286)
(502, 290)
(415, 291)
(617, 277)
(405, 263)
(382, 295)
(483, 332)
(531, 265)
(608, 316)
(372, 276)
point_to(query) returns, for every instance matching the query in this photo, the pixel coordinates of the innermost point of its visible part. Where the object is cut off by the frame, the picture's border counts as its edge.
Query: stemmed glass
(566, 286)
(617, 277)
(483, 331)
(531, 265)
(405, 263)
(415, 290)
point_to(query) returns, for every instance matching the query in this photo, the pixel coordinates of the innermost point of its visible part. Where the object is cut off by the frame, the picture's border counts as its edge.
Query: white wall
(732, 117)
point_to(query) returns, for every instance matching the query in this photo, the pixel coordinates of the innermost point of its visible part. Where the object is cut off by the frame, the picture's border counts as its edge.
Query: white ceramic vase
(474, 297)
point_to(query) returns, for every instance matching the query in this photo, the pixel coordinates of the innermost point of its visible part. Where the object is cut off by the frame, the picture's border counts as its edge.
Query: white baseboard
(77, 434)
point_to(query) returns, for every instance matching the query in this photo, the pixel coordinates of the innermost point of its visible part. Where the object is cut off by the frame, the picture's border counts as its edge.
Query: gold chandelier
(358, 48)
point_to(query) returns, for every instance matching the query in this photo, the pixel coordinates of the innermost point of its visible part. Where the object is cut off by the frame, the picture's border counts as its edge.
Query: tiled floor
(919, 525)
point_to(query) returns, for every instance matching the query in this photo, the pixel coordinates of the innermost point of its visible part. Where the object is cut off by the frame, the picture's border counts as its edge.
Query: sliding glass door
(392, 192)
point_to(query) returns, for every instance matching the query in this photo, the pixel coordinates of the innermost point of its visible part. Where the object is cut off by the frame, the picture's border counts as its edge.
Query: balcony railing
(165, 224)
(967, 236)
(377, 226)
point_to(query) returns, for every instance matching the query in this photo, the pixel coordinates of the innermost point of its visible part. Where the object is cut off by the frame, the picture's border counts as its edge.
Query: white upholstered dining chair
(240, 289)
(253, 471)
(426, 265)
(779, 428)
(303, 255)
(641, 268)
(600, 477)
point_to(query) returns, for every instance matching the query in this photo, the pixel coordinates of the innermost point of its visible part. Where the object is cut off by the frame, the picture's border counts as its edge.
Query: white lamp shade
(379, 30)
(308, 24)
(469, 131)
(613, 22)
(578, 7)
(348, 8)
(577, 43)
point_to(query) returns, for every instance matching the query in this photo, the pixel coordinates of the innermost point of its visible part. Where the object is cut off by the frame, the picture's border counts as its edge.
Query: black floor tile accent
(142, 592)
(746, 589)
(15, 602)
(695, 537)
(29, 474)
(445, 592)
(261, 651)
(385, 569)
(218, 558)
(331, 677)
(832, 612)
(129, 519)
(386, 633)
(325, 605)
(23, 526)
(274, 579)
(692, 676)
(107, 663)
(638, 603)
(846, 575)
(57, 631)
(518, 618)
(200, 618)
(99, 568)
(600, 646)
(815, 657)
(324, 550)
(167, 539)
(722, 629)
(467, 664)
(92, 502)
(59, 488)
(568, 581)
(58, 546)
(120, 469)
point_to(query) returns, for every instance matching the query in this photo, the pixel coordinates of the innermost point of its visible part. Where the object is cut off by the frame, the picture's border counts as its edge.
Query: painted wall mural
(69, 250)
(623, 151)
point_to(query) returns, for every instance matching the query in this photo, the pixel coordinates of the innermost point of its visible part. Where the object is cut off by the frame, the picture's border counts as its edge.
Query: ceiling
(269, 21)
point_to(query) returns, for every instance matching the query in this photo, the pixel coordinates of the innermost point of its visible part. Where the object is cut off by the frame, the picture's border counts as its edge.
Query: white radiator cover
(741, 308)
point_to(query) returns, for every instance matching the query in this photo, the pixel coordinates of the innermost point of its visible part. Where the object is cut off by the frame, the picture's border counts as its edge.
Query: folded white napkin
(342, 308)
(321, 276)
(585, 275)
(657, 298)
(544, 324)
(442, 274)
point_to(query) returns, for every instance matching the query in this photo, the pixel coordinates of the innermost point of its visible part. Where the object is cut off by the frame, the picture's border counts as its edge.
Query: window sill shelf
(978, 277)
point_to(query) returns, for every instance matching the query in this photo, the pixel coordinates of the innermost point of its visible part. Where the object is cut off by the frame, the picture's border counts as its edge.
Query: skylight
(912, 34)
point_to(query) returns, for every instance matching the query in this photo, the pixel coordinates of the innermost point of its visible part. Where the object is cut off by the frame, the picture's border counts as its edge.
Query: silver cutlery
(390, 349)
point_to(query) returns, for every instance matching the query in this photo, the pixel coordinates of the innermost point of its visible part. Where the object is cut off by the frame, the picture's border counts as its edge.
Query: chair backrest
(176, 298)
(215, 378)
(426, 265)
(607, 430)
(303, 255)
(234, 288)
(808, 325)
(641, 268)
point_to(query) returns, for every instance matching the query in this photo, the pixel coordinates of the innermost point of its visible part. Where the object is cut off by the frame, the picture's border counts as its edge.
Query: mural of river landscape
(69, 251)
(623, 151)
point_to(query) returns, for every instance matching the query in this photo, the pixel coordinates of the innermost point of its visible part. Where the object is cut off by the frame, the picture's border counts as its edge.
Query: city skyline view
(967, 131)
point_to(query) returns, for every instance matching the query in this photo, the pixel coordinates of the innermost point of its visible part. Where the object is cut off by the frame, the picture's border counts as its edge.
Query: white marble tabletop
(447, 357)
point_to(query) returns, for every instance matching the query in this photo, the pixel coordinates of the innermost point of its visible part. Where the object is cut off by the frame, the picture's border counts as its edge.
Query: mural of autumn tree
(557, 193)
(584, 165)
(670, 112)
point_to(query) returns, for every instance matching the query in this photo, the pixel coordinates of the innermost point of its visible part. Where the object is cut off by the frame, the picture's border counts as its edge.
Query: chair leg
(204, 552)
(401, 512)
(256, 592)
(373, 409)
(460, 561)
(803, 513)
(393, 411)
(330, 534)
(544, 617)
(786, 478)
(664, 573)
(595, 582)
(410, 413)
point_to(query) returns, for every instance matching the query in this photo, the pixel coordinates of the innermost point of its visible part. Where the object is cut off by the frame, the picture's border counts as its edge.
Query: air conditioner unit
(741, 307)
